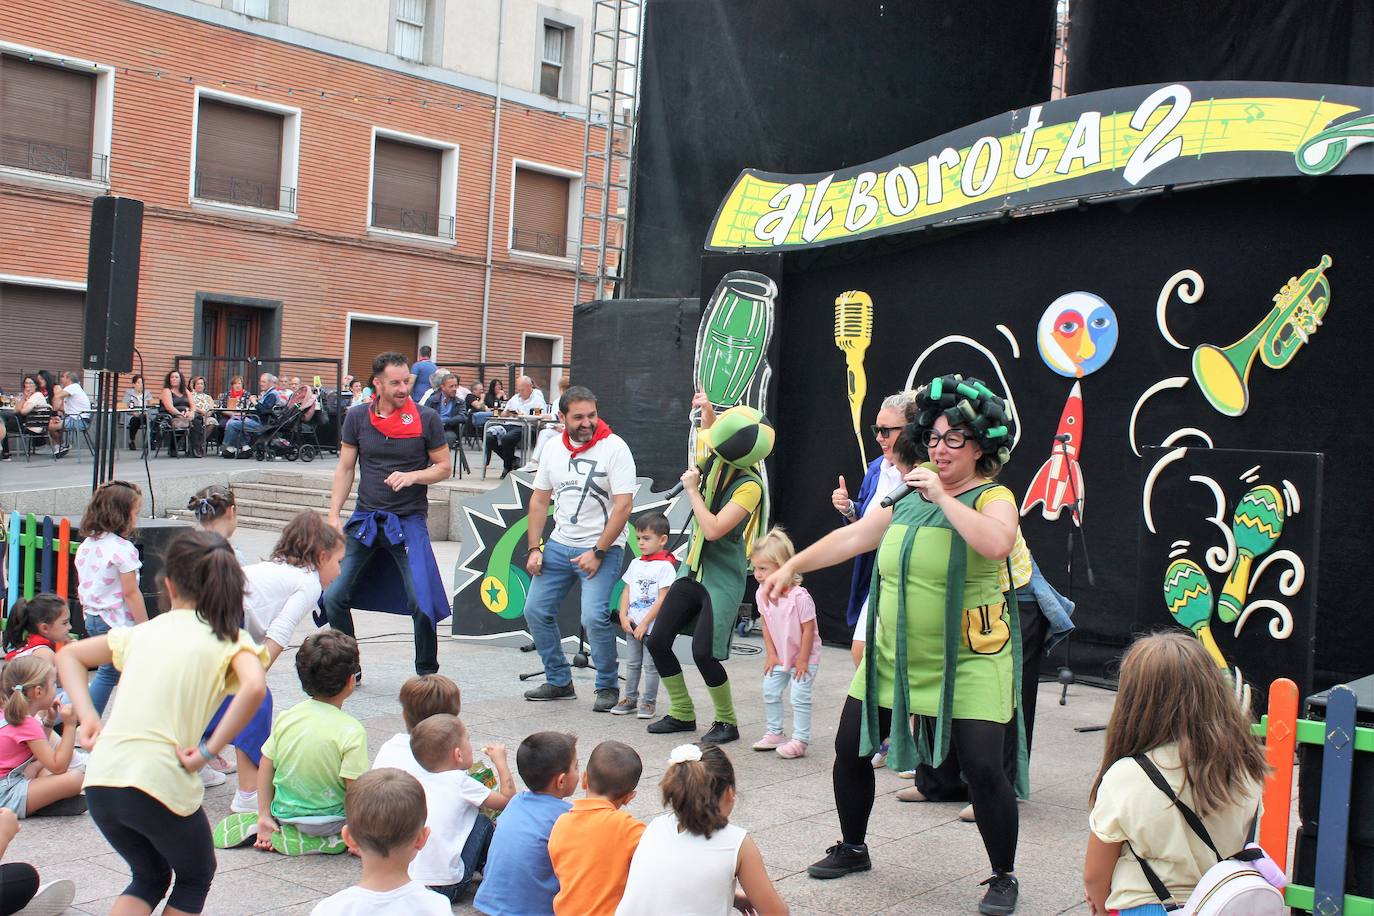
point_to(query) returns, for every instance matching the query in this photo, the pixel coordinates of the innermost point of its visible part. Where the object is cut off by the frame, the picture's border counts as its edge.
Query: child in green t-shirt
(314, 752)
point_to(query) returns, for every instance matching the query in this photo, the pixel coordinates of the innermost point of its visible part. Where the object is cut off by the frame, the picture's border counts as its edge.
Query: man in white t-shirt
(589, 474)
(76, 411)
(502, 437)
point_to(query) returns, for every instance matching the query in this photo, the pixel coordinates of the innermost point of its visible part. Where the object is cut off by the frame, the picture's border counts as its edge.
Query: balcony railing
(51, 159)
(233, 189)
(546, 243)
(418, 222)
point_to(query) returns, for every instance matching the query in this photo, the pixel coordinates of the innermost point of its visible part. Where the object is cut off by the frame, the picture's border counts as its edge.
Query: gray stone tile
(93, 882)
(866, 892)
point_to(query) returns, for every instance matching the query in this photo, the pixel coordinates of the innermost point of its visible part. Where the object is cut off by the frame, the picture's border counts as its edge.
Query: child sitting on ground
(422, 696)
(646, 579)
(458, 833)
(691, 857)
(519, 878)
(315, 750)
(386, 829)
(34, 774)
(591, 846)
(792, 649)
(39, 626)
(107, 566)
(1177, 712)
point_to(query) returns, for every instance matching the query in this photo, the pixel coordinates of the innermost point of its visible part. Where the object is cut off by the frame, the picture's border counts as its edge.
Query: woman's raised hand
(839, 498)
(926, 482)
(779, 583)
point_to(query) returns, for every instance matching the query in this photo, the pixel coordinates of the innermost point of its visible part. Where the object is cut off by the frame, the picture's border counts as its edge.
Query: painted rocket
(1060, 480)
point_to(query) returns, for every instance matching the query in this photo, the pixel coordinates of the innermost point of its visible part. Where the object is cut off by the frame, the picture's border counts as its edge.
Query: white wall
(359, 22)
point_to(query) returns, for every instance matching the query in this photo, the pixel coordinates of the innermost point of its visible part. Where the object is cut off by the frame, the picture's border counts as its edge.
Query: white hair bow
(685, 753)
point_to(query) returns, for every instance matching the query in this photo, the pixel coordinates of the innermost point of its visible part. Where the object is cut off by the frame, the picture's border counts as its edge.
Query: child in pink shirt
(792, 649)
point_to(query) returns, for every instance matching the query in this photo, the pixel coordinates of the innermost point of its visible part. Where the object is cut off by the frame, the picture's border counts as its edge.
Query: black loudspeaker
(112, 283)
(1362, 777)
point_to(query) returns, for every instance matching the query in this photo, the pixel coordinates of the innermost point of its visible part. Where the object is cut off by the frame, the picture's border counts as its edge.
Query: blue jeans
(241, 431)
(473, 857)
(636, 658)
(107, 675)
(340, 612)
(547, 592)
(773, 682)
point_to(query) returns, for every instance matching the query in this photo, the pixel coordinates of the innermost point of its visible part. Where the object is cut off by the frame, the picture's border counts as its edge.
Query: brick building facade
(375, 231)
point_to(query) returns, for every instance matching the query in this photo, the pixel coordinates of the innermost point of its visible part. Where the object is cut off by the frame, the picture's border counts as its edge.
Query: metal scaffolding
(612, 106)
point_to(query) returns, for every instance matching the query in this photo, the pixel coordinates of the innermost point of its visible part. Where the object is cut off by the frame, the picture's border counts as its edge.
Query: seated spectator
(463, 390)
(236, 393)
(20, 890)
(135, 400)
(502, 438)
(355, 393)
(591, 846)
(314, 752)
(176, 413)
(32, 398)
(386, 829)
(33, 772)
(422, 696)
(204, 406)
(240, 432)
(459, 833)
(449, 406)
(475, 408)
(519, 878)
(431, 391)
(76, 411)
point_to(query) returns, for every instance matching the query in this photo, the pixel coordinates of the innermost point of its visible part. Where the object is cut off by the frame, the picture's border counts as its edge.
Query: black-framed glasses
(882, 432)
(953, 438)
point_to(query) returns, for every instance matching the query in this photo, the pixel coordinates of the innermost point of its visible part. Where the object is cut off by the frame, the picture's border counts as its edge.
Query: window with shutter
(551, 68)
(258, 9)
(47, 118)
(405, 186)
(539, 223)
(238, 156)
(43, 329)
(408, 38)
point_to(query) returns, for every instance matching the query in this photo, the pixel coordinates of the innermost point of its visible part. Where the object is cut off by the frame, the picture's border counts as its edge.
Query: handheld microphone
(674, 493)
(906, 490)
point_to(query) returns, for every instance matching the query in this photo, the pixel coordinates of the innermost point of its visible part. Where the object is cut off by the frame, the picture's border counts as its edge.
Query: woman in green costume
(728, 509)
(941, 639)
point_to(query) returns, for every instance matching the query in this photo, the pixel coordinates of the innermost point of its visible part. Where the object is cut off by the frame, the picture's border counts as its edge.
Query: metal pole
(491, 189)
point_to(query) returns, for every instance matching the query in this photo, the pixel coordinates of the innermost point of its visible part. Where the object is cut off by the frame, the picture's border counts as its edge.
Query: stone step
(288, 494)
(245, 521)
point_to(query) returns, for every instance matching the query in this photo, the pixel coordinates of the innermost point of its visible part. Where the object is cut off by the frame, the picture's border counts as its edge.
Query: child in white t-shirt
(107, 566)
(459, 834)
(386, 829)
(646, 579)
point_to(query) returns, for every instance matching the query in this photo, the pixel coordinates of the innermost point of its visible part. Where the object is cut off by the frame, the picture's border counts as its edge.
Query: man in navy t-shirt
(420, 374)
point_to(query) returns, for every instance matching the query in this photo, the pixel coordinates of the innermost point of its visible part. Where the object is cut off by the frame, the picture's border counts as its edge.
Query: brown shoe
(911, 794)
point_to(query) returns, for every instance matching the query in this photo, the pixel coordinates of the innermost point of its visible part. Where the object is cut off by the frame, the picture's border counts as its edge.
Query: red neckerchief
(34, 640)
(602, 431)
(661, 555)
(399, 424)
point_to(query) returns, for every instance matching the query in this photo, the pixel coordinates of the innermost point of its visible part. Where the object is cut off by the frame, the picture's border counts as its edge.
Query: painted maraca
(1256, 526)
(1189, 597)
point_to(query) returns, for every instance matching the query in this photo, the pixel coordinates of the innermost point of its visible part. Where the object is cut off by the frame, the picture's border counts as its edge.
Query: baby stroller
(282, 437)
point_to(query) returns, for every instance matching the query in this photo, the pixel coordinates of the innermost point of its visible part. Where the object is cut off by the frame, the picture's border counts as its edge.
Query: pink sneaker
(769, 741)
(792, 749)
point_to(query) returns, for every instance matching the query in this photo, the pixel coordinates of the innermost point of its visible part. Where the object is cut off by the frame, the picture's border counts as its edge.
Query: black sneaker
(62, 451)
(1001, 896)
(358, 677)
(550, 692)
(606, 698)
(668, 724)
(840, 860)
(721, 733)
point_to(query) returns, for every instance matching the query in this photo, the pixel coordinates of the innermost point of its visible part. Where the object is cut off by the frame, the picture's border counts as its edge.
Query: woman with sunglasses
(941, 638)
(881, 479)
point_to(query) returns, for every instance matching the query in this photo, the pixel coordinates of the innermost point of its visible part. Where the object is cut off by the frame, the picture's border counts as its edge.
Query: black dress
(197, 426)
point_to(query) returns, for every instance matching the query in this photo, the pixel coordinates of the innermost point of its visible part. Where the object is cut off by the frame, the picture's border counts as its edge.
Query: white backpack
(1232, 887)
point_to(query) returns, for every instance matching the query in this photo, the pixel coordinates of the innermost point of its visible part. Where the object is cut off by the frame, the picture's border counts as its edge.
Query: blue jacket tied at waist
(379, 587)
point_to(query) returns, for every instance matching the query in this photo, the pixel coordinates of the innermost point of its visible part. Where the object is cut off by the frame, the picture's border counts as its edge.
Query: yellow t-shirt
(1020, 554)
(1130, 809)
(175, 674)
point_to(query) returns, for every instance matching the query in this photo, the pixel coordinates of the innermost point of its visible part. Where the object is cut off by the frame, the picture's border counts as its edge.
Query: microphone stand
(1066, 677)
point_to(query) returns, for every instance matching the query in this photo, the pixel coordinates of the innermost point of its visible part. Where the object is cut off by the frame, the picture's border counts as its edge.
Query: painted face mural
(1077, 334)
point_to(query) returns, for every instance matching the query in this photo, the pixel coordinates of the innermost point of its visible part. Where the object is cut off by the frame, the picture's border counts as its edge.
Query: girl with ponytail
(39, 626)
(33, 773)
(216, 510)
(689, 860)
(142, 777)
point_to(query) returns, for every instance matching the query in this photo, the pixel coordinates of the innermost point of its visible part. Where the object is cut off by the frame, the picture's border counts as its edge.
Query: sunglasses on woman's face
(882, 432)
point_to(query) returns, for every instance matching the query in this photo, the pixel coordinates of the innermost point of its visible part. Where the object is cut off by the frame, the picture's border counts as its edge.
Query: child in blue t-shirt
(518, 879)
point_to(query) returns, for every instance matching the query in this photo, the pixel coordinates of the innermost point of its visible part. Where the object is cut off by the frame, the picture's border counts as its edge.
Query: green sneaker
(234, 831)
(289, 841)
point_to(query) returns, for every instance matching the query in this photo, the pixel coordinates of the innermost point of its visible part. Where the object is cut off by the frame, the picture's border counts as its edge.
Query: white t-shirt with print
(99, 562)
(583, 486)
(645, 579)
(452, 798)
(410, 899)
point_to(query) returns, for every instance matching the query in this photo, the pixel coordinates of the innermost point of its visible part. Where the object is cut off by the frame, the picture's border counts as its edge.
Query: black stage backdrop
(804, 86)
(1114, 43)
(1245, 240)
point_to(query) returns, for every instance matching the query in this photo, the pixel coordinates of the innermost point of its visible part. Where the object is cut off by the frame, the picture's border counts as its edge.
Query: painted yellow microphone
(853, 334)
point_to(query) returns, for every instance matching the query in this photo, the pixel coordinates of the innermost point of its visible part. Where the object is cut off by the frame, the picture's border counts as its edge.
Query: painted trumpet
(1256, 526)
(853, 334)
(1223, 373)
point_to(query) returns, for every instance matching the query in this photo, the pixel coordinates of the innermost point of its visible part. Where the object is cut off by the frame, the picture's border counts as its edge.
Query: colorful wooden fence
(39, 556)
(1340, 739)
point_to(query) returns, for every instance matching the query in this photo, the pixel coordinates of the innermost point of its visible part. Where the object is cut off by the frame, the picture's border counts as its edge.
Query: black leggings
(685, 600)
(979, 745)
(18, 885)
(156, 843)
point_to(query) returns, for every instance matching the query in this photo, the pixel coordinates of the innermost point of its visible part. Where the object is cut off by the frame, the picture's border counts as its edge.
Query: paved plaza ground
(925, 861)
